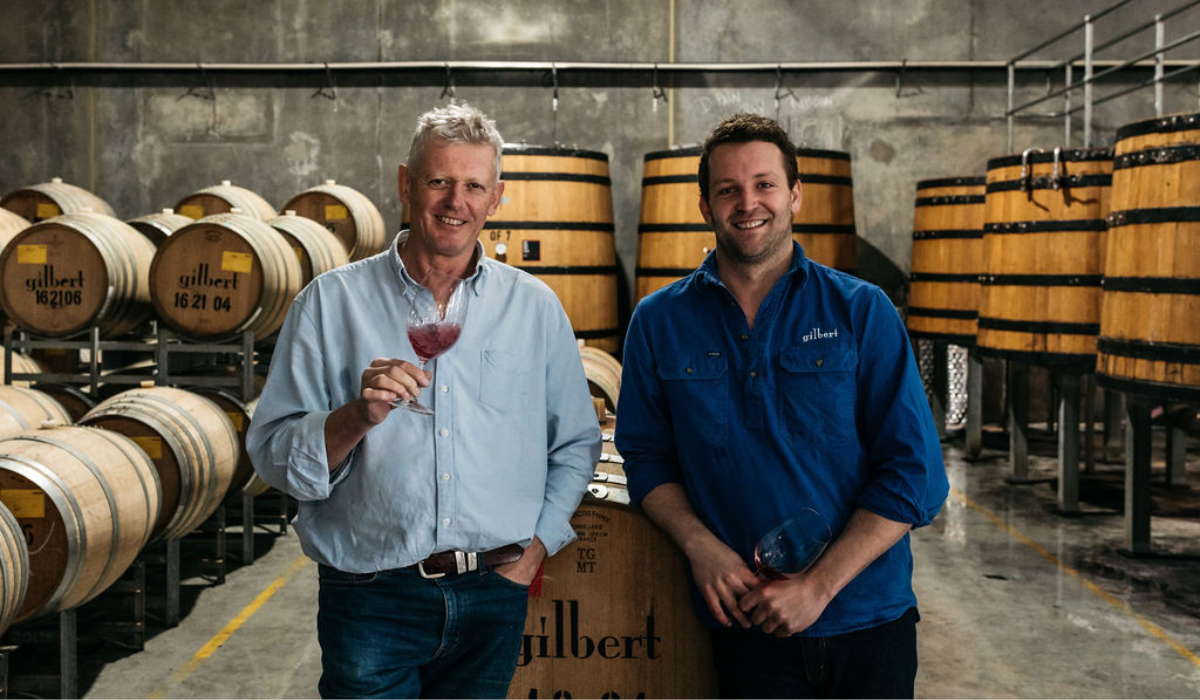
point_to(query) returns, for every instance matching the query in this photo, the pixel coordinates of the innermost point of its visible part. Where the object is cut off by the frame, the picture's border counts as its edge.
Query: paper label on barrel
(31, 255)
(46, 210)
(236, 262)
(299, 253)
(333, 212)
(237, 419)
(151, 445)
(24, 503)
(192, 211)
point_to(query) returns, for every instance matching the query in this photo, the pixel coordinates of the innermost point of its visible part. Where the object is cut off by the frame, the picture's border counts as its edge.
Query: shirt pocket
(504, 379)
(817, 393)
(697, 391)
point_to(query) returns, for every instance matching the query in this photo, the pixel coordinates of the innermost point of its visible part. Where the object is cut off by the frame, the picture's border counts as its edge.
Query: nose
(746, 200)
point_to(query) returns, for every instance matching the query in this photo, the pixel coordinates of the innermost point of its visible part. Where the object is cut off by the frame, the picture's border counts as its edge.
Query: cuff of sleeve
(554, 536)
(308, 474)
(888, 505)
(644, 478)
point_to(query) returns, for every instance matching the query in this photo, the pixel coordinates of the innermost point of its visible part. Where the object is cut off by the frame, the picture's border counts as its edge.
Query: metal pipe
(1160, 35)
(544, 66)
(1088, 45)
(1067, 107)
(1012, 79)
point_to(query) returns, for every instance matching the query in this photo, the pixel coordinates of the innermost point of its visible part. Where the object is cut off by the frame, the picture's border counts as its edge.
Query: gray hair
(454, 123)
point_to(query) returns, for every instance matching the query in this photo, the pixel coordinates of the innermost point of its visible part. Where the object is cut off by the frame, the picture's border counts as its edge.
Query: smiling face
(449, 195)
(749, 203)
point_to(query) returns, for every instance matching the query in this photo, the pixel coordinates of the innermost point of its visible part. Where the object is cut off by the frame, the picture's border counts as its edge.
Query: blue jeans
(880, 662)
(393, 634)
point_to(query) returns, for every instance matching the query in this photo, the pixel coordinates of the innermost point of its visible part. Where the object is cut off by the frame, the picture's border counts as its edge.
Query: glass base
(414, 406)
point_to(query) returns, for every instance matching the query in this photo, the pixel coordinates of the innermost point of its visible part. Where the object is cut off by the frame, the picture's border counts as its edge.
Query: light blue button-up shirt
(507, 454)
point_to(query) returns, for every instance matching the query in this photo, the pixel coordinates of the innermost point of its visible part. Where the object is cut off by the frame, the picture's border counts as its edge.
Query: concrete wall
(144, 141)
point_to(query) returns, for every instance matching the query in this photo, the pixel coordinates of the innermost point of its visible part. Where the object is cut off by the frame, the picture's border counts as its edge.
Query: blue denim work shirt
(820, 405)
(507, 455)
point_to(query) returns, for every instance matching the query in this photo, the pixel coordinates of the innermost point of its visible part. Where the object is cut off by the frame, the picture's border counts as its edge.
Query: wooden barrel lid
(346, 213)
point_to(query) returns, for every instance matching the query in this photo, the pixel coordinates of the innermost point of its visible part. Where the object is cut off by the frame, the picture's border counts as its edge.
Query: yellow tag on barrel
(192, 211)
(31, 254)
(236, 262)
(24, 503)
(47, 210)
(237, 420)
(151, 445)
(334, 212)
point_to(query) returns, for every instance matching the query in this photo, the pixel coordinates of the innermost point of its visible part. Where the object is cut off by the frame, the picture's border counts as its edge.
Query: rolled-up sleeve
(908, 482)
(572, 435)
(644, 435)
(286, 438)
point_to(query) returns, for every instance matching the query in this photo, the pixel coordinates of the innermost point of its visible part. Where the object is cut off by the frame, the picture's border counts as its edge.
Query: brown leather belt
(454, 562)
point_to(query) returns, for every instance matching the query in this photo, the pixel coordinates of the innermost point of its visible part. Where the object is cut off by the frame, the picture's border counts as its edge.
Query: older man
(428, 529)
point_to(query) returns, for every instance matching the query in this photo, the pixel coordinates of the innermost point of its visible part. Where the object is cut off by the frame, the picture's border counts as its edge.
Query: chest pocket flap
(826, 357)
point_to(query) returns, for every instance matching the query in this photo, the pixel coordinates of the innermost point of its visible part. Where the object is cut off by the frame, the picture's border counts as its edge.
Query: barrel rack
(160, 345)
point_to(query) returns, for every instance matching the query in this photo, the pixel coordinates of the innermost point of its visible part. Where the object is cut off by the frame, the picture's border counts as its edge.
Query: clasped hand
(732, 590)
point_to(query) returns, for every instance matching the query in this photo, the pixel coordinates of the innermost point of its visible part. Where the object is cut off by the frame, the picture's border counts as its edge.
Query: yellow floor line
(1114, 602)
(221, 637)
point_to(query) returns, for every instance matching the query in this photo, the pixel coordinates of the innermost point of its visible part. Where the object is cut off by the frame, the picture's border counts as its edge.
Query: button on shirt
(507, 454)
(820, 405)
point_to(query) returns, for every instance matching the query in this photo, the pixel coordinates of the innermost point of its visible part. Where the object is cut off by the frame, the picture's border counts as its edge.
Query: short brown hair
(744, 128)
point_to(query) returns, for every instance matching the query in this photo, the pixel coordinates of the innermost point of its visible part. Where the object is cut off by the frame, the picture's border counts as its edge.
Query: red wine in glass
(433, 339)
(434, 323)
(793, 547)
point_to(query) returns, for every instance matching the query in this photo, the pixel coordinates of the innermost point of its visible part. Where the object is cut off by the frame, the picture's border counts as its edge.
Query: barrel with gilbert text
(47, 200)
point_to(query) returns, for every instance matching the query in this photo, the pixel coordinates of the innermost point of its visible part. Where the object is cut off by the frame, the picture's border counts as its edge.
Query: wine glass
(434, 324)
(793, 547)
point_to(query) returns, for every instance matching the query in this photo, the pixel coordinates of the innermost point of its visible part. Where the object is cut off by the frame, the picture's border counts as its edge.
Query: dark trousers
(880, 662)
(394, 634)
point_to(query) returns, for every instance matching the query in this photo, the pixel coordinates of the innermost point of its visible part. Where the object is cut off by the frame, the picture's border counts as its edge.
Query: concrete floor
(1016, 602)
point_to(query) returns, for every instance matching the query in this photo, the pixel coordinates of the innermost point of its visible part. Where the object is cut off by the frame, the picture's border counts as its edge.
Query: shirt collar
(707, 273)
(477, 278)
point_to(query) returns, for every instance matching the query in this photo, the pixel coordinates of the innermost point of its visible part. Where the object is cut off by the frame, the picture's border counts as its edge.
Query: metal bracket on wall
(448, 91)
(329, 89)
(657, 93)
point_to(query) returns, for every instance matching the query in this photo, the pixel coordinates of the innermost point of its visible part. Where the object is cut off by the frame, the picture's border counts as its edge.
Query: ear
(706, 211)
(402, 182)
(797, 197)
(497, 195)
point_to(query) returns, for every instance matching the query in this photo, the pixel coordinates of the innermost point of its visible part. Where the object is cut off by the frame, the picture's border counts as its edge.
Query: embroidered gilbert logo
(816, 333)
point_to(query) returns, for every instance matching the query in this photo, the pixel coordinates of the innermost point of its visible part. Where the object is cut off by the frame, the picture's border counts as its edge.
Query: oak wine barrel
(87, 500)
(224, 275)
(603, 374)
(14, 567)
(674, 239)
(50, 199)
(191, 442)
(157, 226)
(611, 615)
(10, 225)
(347, 213)
(316, 248)
(23, 409)
(65, 275)
(947, 259)
(556, 223)
(239, 412)
(1149, 339)
(223, 199)
(1043, 256)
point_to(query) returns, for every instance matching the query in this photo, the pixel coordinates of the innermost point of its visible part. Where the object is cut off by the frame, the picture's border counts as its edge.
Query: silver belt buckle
(421, 570)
